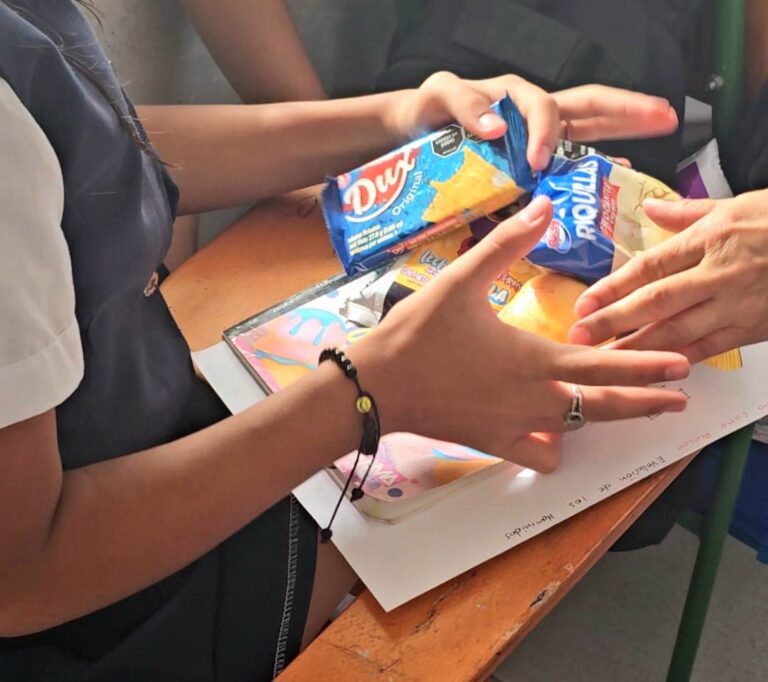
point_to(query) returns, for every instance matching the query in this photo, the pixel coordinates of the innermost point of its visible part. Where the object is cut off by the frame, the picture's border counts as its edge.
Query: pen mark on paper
(526, 528)
(644, 469)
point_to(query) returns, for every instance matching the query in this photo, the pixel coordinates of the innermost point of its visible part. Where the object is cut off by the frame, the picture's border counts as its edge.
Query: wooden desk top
(458, 631)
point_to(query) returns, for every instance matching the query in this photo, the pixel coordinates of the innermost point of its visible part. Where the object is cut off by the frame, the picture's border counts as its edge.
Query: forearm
(124, 524)
(257, 48)
(224, 155)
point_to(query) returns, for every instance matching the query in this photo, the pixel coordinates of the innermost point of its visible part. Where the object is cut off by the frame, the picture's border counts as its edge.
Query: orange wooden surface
(757, 44)
(458, 631)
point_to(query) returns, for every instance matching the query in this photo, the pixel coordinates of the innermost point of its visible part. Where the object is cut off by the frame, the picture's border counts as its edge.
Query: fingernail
(673, 113)
(541, 157)
(535, 213)
(586, 306)
(677, 372)
(580, 336)
(489, 120)
(676, 407)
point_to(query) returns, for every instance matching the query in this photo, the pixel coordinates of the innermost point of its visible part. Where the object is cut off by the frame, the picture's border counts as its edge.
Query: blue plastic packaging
(579, 240)
(394, 203)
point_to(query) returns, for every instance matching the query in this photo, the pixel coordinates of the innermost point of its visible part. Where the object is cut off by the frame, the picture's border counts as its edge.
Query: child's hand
(590, 112)
(443, 365)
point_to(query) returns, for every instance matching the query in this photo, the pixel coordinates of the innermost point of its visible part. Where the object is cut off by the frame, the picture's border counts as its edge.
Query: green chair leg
(729, 66)
(712, 539)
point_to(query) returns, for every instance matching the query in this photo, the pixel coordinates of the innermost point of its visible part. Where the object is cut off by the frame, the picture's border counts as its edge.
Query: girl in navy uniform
(146, 535)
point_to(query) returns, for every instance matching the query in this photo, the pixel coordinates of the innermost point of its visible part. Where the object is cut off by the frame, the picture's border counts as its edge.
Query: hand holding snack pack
(448, 179)
(598, 223)
(425, 189)
(385, 206)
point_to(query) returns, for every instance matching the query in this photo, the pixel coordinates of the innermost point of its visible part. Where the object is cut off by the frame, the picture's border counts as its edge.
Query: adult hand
(702, 292)
(589, 112)
(443, 365)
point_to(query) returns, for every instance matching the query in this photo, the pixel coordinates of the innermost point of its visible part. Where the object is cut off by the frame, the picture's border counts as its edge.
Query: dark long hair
(125, 118)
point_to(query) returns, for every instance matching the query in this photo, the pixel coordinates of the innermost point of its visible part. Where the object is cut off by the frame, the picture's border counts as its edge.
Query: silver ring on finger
(574, 418)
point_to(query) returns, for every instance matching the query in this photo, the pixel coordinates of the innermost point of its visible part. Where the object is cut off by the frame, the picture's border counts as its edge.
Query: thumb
(677, 215)
(509, 242)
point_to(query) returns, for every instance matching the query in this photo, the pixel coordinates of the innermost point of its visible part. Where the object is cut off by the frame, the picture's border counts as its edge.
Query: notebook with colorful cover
(281, 345)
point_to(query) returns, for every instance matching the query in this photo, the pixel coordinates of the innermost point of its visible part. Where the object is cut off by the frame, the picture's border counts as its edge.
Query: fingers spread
(656, 301)
(601, 112)
(602, 367)
(677, 215)
(509, 242)
(674, 255)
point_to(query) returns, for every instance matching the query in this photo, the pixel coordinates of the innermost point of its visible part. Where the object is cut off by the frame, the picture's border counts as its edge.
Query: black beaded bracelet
(369, 442)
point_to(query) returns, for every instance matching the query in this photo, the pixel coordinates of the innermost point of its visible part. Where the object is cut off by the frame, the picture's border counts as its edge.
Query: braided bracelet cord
(369, 442)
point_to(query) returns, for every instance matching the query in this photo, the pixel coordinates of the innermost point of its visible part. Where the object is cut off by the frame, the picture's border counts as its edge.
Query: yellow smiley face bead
(363, 404)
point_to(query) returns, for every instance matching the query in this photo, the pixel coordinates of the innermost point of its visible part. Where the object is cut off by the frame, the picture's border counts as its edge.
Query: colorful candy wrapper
(425, 189)
(598, 222)
(413, 270)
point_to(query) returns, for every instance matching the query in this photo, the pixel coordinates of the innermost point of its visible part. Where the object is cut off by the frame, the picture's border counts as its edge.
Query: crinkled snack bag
(598, 221)
(425, 189)
(415, 269)
(364, 307)
(424, 263)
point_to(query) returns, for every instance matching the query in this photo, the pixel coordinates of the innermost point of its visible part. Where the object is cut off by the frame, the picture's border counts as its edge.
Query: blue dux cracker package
(598, 222)
(425, 189)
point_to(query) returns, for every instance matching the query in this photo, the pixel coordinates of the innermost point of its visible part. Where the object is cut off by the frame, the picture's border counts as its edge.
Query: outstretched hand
(443, 365)
(702, 292)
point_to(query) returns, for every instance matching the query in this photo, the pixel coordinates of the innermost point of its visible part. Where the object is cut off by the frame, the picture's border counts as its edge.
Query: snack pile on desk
(402, 219)
(438, 195)
(448, 179)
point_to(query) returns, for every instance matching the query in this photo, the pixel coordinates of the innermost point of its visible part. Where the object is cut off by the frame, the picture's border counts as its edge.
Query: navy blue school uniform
(237, 613)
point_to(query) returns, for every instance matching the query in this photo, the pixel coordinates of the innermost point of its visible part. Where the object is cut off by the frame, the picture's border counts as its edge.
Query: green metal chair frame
(712, 531)
(728, 84)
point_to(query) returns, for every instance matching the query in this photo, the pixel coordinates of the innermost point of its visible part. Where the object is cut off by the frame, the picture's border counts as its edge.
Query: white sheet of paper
(401, 561)
(231, 381)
